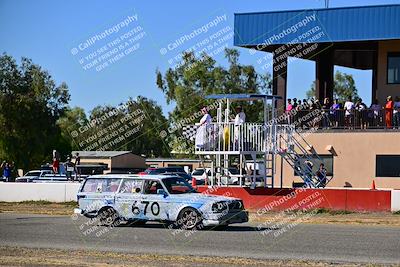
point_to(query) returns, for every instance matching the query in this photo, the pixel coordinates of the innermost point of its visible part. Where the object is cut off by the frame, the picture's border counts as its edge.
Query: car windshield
(176, 185)
(32, 174)
(198, 172)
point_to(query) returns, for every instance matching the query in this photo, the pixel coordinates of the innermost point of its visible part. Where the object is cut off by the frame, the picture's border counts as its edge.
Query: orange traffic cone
(373, 185)
(194, 182)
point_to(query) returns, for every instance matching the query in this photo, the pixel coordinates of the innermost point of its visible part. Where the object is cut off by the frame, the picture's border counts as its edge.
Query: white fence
(54, 192)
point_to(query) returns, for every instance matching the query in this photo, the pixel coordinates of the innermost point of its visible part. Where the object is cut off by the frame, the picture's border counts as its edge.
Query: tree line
(36, 116)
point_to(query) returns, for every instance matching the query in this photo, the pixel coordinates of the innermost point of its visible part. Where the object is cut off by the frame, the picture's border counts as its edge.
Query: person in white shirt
(201, 134)
(349, 107)
(240, 119)
(240, 116)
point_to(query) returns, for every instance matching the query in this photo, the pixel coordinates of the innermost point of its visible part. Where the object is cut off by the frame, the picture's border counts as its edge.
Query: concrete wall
(385, 89)
(395, 200)
(264, 199)
(354, 158)
(54, 192)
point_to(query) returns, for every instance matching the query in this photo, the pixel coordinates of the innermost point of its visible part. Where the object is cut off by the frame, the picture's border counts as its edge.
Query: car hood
(202, 198)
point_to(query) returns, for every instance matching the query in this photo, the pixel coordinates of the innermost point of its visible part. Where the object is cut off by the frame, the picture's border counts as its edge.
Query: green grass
(397, 212)
(37, 202)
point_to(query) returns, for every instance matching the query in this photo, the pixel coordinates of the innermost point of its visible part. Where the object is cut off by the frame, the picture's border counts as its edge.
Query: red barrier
(266, 199)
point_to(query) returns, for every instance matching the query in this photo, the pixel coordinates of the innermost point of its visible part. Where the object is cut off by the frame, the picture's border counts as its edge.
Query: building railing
(344, 119)
(247, 137)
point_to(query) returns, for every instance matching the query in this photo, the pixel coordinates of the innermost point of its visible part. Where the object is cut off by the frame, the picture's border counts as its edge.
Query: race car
(169, 199)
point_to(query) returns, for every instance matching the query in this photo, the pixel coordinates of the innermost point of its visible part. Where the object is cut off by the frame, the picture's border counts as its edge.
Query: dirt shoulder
(316, 216)
(17, 256)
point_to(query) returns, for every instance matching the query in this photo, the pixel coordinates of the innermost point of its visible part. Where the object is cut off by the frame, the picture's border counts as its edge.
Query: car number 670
(154, 207)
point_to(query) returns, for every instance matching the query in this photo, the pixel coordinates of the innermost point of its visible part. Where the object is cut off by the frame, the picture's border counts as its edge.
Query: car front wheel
(108, 217)
(188, 219)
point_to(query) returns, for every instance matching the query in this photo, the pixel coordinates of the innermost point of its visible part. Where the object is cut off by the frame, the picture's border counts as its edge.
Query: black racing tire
(189, 219)
(136, 222)
(221, 227)
(108, 217)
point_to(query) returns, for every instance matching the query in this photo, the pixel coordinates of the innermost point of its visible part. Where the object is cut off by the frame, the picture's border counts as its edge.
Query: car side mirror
(162, 192)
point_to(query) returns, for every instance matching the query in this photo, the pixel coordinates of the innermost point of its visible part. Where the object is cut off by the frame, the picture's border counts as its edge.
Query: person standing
(389, 112)
(201, 134)
(396, 113)
(348, 115)
(240, 119)
(5, 166)
(56, 162)
(77, 169)
(69, 168)
(375, 113)
(321, 174)
(360, 107)
(289, 108)
(325, 113)
(334, 112)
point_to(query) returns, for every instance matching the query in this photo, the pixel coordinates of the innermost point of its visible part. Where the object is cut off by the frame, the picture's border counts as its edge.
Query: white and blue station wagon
(169, 199)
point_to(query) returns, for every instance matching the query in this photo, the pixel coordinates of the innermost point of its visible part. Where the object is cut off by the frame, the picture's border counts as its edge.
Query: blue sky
(47, 31)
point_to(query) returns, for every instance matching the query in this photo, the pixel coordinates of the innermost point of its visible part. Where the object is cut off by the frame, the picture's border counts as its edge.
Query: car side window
(101, 185)
(151, 187)
(133, 186)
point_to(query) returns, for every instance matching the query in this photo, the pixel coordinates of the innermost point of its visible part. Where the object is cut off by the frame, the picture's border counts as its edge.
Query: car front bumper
(226, 218)
(78, 211)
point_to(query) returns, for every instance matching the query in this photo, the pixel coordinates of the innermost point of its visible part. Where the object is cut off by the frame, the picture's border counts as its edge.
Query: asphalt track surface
(331, 243)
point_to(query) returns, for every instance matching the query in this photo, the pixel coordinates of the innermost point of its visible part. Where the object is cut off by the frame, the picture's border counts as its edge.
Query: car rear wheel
(188, 219)
(108, 217)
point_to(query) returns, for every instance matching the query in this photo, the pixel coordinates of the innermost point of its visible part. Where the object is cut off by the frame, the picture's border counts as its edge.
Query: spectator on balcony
(375, 114)
(334, 112)
(289, 108)
(325, 113)
(349, 110)
(201, 134)
(396, 113)
(240, 116)
(240, 119)
(389, 112)
(361, 114)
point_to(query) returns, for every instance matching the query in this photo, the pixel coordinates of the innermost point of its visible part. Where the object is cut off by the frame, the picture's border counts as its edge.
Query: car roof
(136, 176)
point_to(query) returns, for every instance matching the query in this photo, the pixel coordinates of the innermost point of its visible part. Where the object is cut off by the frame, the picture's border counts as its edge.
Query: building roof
(344, 24)
(100, 154)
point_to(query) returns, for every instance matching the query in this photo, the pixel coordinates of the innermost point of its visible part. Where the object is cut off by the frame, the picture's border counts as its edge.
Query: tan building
(188, 164)
(116, 161)
(360, 37)
(354, 159)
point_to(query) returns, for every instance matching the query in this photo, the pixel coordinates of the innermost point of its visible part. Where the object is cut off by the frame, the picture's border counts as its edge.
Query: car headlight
(220, 206)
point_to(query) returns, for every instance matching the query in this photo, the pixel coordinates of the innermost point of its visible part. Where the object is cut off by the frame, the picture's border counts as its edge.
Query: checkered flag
(189, 132)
